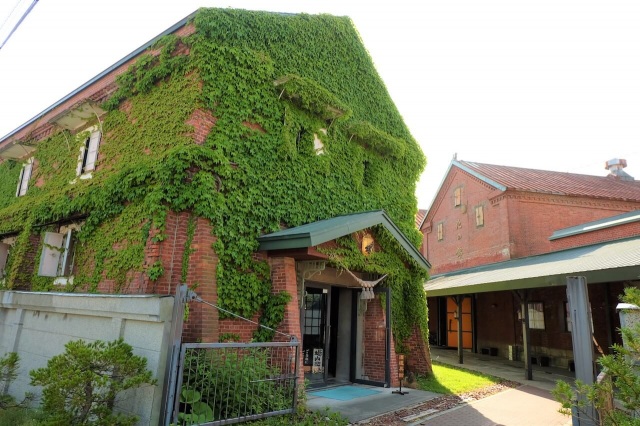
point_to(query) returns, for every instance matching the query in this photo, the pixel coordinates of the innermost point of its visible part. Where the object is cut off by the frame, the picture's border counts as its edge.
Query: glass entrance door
(314, 335)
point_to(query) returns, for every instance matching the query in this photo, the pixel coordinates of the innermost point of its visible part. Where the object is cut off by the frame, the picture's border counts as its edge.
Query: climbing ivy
(274, 84)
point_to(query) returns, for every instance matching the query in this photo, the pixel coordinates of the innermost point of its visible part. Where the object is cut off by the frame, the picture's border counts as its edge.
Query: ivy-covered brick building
(255, 156)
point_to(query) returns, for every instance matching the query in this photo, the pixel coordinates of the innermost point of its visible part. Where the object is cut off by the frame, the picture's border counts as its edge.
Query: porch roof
(315, 233)
(605, 262)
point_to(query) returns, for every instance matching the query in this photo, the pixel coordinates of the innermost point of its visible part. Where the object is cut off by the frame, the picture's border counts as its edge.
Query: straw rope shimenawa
(367, 286)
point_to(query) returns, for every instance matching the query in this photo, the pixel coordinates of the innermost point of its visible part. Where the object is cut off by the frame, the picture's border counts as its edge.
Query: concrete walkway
(523, 406)
(528, 405)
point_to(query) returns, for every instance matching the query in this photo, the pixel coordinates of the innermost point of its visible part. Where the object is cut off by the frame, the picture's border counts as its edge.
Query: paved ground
(523, 406)
(530, 404)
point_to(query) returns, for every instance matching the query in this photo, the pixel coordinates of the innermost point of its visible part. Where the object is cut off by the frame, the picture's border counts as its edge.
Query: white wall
(38, 325)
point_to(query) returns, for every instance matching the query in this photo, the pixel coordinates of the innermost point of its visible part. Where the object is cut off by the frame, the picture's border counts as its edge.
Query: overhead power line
(24, 15)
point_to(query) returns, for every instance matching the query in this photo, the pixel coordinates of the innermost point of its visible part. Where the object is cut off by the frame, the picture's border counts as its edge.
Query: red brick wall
(497, 324)
(533, 219)
(418, 360)
(374, 341)
(464, 244)
(202, 323)
(599, 236)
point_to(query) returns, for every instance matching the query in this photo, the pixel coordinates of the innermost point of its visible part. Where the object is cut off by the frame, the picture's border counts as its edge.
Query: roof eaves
(479, 176)
(104, 73)
(313, 234)
(622, 219)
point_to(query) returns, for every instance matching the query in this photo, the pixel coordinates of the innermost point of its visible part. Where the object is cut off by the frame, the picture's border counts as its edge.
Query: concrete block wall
(38, 325)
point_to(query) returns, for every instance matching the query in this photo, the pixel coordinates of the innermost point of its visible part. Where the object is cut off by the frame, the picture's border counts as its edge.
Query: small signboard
(318, 364)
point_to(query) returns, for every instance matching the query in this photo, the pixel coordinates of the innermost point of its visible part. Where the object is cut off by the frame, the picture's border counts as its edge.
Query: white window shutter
(92, 154)
(25, 174)
(4, 255)
(50, 257)
(66, 263)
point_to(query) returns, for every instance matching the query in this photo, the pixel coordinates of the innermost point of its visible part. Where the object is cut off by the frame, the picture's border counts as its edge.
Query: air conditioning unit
(514, 353)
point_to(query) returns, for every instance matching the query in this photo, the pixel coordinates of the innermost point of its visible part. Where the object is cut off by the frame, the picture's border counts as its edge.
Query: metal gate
(225, 383)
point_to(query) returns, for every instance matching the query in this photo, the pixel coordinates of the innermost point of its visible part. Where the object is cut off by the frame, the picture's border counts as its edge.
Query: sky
(551, 85)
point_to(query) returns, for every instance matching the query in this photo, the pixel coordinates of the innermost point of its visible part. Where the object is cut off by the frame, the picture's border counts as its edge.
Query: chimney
(615, 167)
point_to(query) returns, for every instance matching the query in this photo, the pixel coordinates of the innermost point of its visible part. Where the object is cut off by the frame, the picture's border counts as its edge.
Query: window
(4, 257)
(88, 155)
(440, 232)
(318, 145)
(536, 315)
(479, 216)
(57, 255)
(457, 197)
(25, 175)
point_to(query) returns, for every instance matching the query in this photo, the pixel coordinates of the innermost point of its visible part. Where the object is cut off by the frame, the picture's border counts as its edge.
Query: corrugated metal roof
(606, 262)
(549, 182)
(621, 219)
(315, 233)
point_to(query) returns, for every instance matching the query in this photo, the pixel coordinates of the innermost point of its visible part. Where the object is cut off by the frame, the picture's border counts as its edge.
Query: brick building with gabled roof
(504, 239)
(232, 125)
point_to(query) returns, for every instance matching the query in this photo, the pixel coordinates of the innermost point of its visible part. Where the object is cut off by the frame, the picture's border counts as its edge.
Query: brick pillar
(284, 278)
(418, 360)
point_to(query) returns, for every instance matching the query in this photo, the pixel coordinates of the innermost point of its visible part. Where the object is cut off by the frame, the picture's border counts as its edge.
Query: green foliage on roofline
(274, 83)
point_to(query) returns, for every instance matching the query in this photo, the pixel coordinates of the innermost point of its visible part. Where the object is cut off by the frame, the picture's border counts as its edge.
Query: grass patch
(20, 416)
(450, 380)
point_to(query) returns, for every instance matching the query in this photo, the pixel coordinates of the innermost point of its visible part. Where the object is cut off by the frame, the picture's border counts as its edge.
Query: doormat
(344, 393)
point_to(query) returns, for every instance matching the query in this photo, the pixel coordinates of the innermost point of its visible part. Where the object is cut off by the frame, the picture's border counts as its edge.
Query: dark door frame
(355, 295)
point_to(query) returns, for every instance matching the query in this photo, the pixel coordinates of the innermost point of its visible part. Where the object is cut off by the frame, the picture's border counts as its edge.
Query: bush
(81, 385)
(232, 384)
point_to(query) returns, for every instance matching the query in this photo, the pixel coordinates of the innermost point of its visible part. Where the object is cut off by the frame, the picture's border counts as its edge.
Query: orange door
(452, 323)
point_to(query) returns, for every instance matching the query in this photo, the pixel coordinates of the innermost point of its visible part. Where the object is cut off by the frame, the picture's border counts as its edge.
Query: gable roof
(549, 182)
(422, 213)
(315, 233)
(605, 262)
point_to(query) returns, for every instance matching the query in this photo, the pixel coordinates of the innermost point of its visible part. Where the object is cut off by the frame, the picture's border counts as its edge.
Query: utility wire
(24, 15)
(9, 15)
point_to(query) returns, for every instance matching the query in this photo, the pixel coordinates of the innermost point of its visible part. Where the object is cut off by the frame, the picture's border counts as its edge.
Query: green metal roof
(599, 263)
(315, 233)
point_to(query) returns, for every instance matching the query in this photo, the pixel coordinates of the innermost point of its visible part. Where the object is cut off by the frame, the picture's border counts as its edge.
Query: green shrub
(81, 385)
(233, 383)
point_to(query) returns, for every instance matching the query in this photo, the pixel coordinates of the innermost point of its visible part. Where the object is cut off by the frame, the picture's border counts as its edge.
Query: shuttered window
(57, 254)
(25, 175)
(88, 154)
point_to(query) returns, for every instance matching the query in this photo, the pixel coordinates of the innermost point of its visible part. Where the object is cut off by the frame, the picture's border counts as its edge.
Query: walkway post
(459, 300)
(526, 338)
(582, 341)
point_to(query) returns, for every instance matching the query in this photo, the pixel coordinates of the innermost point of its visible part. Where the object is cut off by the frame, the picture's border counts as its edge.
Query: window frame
(480, 217)
(58, 256)
(88, 156)
(457, 197)
(440, 231)
(535, 320)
